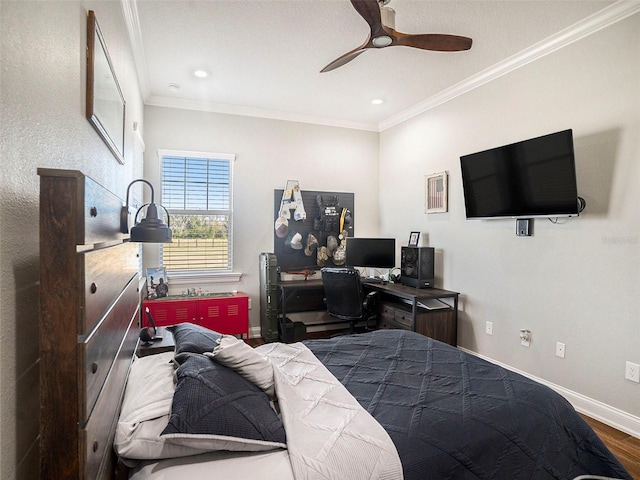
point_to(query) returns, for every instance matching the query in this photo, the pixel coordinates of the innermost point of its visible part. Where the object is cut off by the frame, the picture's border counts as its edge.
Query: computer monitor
(371, 252)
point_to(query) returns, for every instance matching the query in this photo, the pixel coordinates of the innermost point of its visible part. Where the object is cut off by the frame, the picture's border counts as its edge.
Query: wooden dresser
(89, 304)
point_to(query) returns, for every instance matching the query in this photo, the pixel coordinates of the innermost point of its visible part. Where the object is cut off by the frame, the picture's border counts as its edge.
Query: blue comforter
(452, 415)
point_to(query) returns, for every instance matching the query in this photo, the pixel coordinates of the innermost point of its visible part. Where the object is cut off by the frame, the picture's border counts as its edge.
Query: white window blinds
(197, 192)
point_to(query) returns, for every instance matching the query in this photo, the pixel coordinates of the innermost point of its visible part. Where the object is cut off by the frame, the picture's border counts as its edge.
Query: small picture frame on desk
(414, 238)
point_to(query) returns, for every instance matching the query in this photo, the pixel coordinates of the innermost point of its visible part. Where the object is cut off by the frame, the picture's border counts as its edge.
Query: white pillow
(245, 360)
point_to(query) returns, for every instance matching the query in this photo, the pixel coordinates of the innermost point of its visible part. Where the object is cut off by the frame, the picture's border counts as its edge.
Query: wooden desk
(400, 307)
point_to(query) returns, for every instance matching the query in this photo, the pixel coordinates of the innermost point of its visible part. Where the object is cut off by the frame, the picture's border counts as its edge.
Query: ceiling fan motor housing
(388, 15)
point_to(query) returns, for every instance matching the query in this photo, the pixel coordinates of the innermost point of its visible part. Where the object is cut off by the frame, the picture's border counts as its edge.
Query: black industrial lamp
(151, 228)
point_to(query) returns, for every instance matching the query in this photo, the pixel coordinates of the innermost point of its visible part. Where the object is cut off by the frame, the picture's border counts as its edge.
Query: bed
(388, 404)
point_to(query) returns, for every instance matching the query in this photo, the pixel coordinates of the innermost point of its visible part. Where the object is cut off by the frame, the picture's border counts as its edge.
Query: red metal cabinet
(224, 314)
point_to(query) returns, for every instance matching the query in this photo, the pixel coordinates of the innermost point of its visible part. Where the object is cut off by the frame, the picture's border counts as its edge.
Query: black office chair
(346, 299)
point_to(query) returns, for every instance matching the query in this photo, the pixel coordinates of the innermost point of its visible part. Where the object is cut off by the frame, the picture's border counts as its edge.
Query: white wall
(268, 153)
(577, 282)
(42, 92)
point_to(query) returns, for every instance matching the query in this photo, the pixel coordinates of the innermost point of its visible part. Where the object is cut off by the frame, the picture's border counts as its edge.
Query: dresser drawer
(104, 272)
(99, 347)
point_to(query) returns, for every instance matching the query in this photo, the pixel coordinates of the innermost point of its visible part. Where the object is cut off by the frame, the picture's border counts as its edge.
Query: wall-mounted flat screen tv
(531, 178)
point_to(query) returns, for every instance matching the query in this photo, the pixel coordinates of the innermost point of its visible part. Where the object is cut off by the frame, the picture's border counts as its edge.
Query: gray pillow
(214, 404)
(192, 338)
(246, 361)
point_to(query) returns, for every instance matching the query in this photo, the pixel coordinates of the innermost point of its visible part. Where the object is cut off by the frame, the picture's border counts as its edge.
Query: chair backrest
(343, 292)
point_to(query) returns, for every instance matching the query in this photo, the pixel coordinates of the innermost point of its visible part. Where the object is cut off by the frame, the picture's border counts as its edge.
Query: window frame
(186, 276)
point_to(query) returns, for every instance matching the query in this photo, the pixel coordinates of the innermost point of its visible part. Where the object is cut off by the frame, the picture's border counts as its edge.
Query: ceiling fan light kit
(382, 20)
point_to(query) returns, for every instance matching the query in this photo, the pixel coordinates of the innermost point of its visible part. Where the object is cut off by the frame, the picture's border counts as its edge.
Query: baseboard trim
(614, 417)
(255, 332)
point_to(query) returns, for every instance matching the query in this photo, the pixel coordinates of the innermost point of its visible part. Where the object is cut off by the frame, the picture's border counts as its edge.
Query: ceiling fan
(381, 20)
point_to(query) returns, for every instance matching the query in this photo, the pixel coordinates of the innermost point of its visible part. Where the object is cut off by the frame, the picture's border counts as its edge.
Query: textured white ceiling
(265, 56)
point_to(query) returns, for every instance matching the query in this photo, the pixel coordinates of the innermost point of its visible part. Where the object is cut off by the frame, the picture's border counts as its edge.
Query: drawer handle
(93, 211)
(94, 367)
(95, 446)
(94, 288)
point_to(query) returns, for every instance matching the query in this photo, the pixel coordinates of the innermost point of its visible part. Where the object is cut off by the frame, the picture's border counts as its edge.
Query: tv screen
(371, 252)
(532, 178)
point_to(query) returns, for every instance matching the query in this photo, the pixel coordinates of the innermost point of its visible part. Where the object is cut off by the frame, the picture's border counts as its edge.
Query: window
(197, 193)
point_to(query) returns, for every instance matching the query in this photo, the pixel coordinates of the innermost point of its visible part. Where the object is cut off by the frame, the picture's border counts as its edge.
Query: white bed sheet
(273, 465)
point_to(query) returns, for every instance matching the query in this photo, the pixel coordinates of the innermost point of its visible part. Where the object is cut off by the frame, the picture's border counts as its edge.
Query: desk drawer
(390, 323)
(393, 316)
(404, 318)
(386, 312)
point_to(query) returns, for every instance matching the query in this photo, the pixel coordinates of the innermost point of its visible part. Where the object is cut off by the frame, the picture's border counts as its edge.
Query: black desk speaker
(416, 267)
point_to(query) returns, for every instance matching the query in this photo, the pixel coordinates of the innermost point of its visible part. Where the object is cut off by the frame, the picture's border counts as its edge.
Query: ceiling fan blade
(343, 59)
(370, 11)
(433, 41)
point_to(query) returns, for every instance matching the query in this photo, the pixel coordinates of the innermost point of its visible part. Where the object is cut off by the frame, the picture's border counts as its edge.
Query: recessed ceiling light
(174, 86)
(201, 73)
(377, 101)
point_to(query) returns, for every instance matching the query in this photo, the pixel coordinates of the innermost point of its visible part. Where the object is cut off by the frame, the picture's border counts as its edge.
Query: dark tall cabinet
(269, 296)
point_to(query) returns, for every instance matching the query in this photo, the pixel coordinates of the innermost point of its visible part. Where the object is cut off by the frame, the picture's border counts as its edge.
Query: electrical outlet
(489, 328)
(632, 372)
(525, 337)
(560, 349)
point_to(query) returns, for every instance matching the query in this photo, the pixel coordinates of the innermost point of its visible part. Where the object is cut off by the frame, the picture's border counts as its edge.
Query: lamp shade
(151, 228)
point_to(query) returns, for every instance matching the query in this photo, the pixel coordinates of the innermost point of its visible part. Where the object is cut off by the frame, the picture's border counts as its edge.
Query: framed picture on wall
(436, 193)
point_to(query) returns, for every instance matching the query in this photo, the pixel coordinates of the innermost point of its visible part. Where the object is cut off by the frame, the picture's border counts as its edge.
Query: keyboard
(371, 280)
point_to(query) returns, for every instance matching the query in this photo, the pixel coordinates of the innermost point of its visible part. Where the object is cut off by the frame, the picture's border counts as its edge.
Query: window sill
(188, 279)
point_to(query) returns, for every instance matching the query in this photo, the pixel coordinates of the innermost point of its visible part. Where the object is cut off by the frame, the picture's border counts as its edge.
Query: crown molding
(132, 22)
(170, 102)
(592, 24)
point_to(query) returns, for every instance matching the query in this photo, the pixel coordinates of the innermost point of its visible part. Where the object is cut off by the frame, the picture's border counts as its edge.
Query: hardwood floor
(625, 447)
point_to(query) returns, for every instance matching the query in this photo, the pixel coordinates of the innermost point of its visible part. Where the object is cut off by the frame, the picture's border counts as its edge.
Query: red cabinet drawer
(227, 314)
